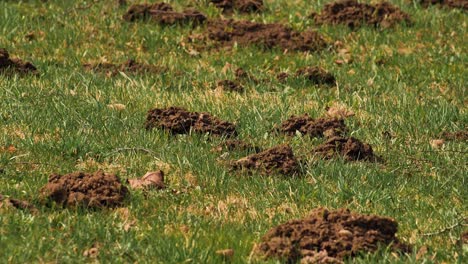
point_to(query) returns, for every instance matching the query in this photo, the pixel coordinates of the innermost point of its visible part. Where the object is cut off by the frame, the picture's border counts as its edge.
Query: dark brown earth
(316, 75)
(130, 66)
(235, 144)
(330, 236)
(163, 14)
(18, 204)
(268, 36)
(14, 65)
(463, 4)
(179, 121)
(355, 14)
(279, 159)
(242, 6)
(232, 86)
(82, 189)
(313, 127)
(461, 135)
(351, 149)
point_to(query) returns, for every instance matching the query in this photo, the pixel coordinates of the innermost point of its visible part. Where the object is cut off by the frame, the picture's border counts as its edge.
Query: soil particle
(180, 121)
(316, 75)
(82, 189)
(242, 6)
(232, 86)
(462, 4)
(461, 135)
(130, 66)
(313, 127)
(355, 14)
(14, 65)
(163, 14)
(351, 149)
(268, 36)
(279, 159)
(235, 144)
(329, 236)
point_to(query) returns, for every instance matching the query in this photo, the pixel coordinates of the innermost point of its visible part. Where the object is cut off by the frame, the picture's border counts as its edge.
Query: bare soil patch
(355, 14)
(461, 135)
(82, 189)
(313, 127)
(330, 236)
(15, 65)
(180, 121)
(351, 149)
(242, 6)
(163, 14)
(130, 66)
(462, 4)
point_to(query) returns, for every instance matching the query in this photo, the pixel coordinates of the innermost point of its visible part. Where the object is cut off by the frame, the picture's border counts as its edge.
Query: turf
(408, 82)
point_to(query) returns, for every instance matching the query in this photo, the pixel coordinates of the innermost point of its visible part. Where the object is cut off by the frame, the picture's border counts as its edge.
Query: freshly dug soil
(163, 14)
(355, 14)
(180, 121)
(461, 135)
(279, 159)
(242, 6)
(351, 149)
(82, 189)
(9, 65)
(268, 36)
(330, 236)
(232, 86)
(130, 66)
(316, 75)
(313, 127)
(462, 4)
(235, 144)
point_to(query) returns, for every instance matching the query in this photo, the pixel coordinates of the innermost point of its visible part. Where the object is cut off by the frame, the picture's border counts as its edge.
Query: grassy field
(59, 122)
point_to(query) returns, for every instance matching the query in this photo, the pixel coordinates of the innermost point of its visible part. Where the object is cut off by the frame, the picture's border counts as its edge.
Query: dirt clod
(313, 127)
(316, 75)
(232, 86)
(329, 236)
(242, 6)
(462, 4)
(130, 66)
(279, 159)
(351, 149)
(154, 179)
(82, 189)
(355, 14)
(461, 135)
(163, 14)
(180, 121)
(14, 65)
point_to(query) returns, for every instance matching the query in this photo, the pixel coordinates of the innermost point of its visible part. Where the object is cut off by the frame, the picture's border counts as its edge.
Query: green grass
(60, 122)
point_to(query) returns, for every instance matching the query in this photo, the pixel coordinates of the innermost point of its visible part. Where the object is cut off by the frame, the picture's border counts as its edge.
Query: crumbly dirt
(462, 4)
(355, 14)
(242, 6)
(329, 236)
(279, 159)
(268, 36)
(461, 135)
(231, 86)
(163, 14)
(313, 127)
(180, 121)
(15, 65)
(235, 144)
(82, 189)
(351, 149)
(18, 204)
(316, 75)
(130, 66)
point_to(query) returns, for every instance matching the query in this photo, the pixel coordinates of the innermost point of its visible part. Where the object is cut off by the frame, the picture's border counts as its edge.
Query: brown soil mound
(459, 135)
(268, 36)
(316, 75)
(179, 121)
(242, 6)
(313, 127)
(232, 86)
(355, 14)
(130, 66)
(350, 149)
(9, 65)
(164, 14)
(329, 237)
(82, 189)
(279, 159)
(463, 4)
(234, 144)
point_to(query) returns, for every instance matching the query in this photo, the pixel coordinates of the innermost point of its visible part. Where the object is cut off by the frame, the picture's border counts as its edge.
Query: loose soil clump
(130, 66)
(461, 135)
(180, 121)
(351, 149)
(268, 36)
(15, 65)
(235, 144)
(163, 14)
(316, 75)
(232, 86)
(279, 159)
(242, 6)
(462, 4)
(313, 127)
(355, 14)
(82, 189)
(330, 236)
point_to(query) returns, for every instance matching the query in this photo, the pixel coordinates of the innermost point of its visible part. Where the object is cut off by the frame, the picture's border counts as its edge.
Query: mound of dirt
(313, 127)
(351, 149)
(330, 236)
(180, 121)
(355, 14)
(130, 66)
(232, 86)
(242, 6)
(9, 65)
(235, 144)
(316, 75)
(82, 189)
(279, 159)
(268, 36)
(462, 4)
(163, 14)
(461, 135)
